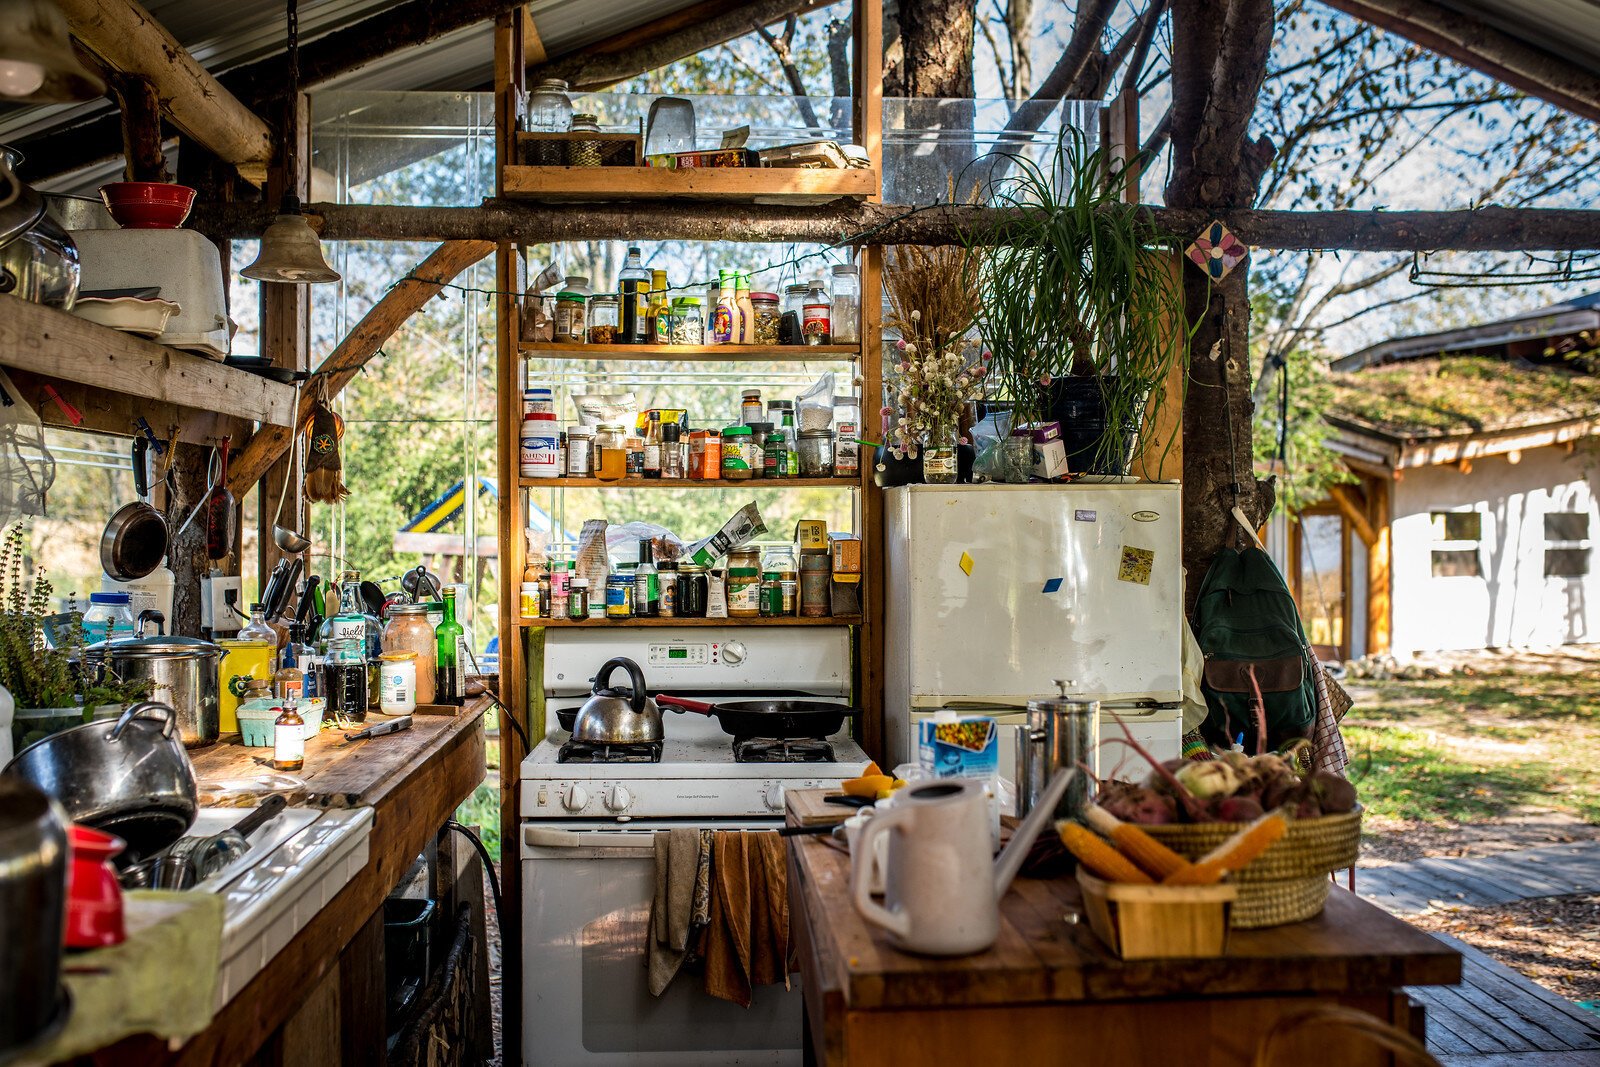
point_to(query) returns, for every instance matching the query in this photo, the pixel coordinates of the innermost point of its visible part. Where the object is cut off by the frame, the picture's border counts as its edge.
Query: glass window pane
(1566, 562)
(1456, 563)
(1457, 526)
(1566, 526)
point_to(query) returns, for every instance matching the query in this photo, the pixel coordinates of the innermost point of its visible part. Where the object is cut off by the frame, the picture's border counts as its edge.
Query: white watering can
(942, 885)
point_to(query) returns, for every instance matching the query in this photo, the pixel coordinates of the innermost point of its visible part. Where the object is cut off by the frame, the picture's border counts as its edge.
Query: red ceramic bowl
(147, 205)
(94, 896)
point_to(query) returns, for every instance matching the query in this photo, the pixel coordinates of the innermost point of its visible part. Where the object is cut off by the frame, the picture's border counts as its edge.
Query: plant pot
(35, 724)
(1078, 403)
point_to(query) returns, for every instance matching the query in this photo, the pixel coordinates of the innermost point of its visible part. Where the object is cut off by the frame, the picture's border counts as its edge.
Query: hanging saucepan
(135, 540)
(776, 719)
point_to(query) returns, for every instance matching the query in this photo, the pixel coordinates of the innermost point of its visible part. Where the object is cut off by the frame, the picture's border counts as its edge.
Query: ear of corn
(1233, 853)
(868, 785)
(1102, 860)
(1154, 858)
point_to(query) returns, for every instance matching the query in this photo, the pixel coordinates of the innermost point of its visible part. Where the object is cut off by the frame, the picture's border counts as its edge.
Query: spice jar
(692, 589)
(688, 321)
(815, 323)
(410, 631)
(816, 453)
(744, 583)
(578, 599)
(580, 452)
(765, 308)
(771, 595)
(610, 453)
(740, 457)
(750, 409)
(605, 313)
(569, 326)
(847, 428)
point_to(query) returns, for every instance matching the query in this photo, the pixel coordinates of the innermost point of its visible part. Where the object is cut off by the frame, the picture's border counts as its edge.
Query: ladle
(289, 541)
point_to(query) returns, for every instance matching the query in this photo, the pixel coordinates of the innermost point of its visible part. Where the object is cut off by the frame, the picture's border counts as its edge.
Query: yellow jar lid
(397, 656)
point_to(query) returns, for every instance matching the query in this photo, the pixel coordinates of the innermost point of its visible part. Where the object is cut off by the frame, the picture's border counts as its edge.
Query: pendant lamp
(290, 252)
(37, 63)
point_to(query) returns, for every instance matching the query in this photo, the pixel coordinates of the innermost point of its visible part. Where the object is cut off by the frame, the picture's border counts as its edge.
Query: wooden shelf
(750, 185)
(60, 345)
(692, 353)
(787, 620)
(847, 482)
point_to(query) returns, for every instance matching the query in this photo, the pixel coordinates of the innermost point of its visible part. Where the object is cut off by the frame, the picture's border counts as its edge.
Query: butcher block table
(1050, 991)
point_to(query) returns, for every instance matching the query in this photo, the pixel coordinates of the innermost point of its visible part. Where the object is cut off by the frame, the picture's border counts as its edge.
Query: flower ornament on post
(935, 369)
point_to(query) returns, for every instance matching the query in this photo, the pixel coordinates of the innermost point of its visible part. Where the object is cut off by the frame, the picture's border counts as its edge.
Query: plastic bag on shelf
(623, 541)
(606, 409)
(988, 437)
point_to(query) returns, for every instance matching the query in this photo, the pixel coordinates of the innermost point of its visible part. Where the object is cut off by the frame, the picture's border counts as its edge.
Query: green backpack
(1246, 623)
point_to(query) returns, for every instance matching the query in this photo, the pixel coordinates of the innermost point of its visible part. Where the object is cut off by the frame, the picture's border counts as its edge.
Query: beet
(1239, 808)
(1333, 794)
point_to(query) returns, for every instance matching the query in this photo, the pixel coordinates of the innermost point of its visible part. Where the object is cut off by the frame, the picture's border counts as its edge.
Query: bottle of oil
(450, 685)
(288, 740)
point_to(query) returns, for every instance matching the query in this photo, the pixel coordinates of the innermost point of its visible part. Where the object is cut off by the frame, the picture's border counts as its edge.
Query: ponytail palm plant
(1078, 283)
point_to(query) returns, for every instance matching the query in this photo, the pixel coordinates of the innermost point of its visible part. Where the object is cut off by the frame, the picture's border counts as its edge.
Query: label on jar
(288, 743)
(569, 321)
(578, 457)
(736, 459)
(722, 325)
(347, 629)
(537, 457)
(939, 462)
(816, 325)
(744, 591)
(846, 452)
(397, 688)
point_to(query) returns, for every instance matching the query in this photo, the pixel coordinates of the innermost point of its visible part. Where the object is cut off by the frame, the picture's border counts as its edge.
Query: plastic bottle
(845, 322)
(629, 281)
(747, 311)
(725, 320)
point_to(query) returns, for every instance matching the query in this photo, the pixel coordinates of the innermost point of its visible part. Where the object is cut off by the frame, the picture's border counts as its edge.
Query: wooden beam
(141, 129)
(668, 39)
(533, 53)
(1470, 40)
(50, 342)
(1352, 504)
(1379, 556)
(1488, 229)
(345, 362)
(130, 40)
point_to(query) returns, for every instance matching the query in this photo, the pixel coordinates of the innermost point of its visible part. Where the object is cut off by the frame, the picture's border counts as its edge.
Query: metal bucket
(1062, 732)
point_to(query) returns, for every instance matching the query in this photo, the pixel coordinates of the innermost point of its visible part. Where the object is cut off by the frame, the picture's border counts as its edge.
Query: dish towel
(747, 943)
(672, 907)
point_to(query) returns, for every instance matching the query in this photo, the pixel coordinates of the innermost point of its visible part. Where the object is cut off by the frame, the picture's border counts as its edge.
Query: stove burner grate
(586, 752)
(782, 750)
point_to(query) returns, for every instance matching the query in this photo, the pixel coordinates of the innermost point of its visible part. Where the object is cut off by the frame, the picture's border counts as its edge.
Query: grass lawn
(1467, 749)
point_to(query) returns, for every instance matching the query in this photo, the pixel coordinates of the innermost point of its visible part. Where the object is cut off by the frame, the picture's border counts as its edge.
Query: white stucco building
(1474, 515)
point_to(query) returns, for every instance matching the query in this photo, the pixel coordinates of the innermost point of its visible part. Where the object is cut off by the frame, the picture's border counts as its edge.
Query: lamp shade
(290, 252)
(37, 63)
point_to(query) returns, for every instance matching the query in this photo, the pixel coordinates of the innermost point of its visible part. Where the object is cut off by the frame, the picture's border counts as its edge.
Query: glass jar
(580, 452)
(939, 455)
(845, 319)
(550, 111)
(744, 583)
(847, 430)
(610, 453)
(765, 308)
(740, 457)
(569, 325)
(605, 314)
(688, 321)
(815, 314)
(584, 151)
(109, 618)
(793, 315)
(692, 589)
(816, 453)
(750, 409)
(619, 595)
(578, 599)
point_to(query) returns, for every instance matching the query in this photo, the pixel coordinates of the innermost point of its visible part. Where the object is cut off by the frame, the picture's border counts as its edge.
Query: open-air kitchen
(606, 573)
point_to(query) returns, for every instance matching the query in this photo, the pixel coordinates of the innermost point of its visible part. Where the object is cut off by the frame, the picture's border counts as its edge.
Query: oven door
(586, 891)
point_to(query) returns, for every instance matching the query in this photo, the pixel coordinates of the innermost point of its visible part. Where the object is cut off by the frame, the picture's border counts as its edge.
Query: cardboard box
(1049, 450)
(846, 553)
(811, 535)
(726, 157)
(959, 746)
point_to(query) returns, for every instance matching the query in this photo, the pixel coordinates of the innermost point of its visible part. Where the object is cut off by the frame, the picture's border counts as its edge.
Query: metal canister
(816, 580)
(1062, 731)
(243, 661)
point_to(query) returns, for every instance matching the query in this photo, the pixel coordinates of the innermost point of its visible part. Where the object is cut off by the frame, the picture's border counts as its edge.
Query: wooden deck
(1495, 1017)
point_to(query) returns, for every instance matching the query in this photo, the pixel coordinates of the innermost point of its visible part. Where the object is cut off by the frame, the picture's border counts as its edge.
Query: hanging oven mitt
(324, 471)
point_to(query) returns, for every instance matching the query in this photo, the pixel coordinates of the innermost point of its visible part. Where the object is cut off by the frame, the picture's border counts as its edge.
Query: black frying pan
(777, 719)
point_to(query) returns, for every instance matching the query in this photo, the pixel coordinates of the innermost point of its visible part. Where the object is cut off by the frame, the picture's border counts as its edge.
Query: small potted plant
(1078, 303)
(934, 368)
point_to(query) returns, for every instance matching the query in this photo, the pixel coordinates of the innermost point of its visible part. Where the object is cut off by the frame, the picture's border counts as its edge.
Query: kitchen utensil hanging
(290, 542)
(220, 513)
(135, 540)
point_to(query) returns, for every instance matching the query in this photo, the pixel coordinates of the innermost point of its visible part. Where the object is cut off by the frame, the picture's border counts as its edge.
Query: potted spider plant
(1079, 307)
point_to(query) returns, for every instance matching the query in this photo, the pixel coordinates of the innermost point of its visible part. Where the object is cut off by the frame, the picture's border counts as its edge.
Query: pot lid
(158, 646)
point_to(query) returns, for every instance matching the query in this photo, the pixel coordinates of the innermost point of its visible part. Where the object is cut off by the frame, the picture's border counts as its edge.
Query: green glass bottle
(450, 685)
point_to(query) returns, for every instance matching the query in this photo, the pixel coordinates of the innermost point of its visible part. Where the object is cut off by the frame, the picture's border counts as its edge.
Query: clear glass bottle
(652, 444)
(633, 283)
(844, 323)
(792, 316)
(288, 740)
(605, 316)
(549, 111)
(815, 323)
(289, 681)
(646, 583)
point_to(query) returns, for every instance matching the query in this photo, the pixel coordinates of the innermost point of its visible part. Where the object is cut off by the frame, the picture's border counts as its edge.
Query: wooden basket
(1143, 922)
(1287, 883)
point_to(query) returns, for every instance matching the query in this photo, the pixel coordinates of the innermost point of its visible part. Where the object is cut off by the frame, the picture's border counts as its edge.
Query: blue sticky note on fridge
(1052, 585)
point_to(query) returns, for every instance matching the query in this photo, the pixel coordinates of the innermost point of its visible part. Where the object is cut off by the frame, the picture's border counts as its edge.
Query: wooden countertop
(414, 781)
(1041, 958)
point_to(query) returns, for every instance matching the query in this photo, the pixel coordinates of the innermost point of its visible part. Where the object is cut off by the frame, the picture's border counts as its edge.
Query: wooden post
(1379, 562)
(1160, 455)
(141, 129)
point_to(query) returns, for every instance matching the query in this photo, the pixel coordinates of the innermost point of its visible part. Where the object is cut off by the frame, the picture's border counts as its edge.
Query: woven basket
(1288, 882)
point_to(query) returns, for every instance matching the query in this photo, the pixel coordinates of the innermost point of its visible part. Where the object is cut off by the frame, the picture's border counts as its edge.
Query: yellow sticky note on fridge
(966, 564)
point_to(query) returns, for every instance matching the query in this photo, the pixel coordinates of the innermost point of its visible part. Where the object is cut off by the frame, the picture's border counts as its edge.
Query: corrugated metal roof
(1569, 29)
(222, 36)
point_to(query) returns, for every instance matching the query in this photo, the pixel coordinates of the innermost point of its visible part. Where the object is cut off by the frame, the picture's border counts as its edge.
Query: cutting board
(806, 807)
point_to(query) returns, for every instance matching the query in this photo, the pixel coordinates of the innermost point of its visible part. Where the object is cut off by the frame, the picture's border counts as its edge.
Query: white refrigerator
(995, 591)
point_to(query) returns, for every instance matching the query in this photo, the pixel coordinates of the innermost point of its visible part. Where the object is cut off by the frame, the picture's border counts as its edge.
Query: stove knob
(733, 653)
(618, 798)
(577, 798)
(774, 796)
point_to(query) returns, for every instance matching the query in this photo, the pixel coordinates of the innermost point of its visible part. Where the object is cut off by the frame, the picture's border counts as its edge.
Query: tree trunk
(935, 57)
(187, 553)
(1218, 63)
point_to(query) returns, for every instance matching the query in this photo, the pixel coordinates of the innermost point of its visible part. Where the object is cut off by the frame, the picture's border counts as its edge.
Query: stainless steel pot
(132, 778)
(1062, 732)
(38, 260)
(620, 716)
(183, 670)
(33, 911)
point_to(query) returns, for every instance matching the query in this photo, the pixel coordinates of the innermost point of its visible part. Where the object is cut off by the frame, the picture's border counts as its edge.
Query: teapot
(942, 885)
(618, 716)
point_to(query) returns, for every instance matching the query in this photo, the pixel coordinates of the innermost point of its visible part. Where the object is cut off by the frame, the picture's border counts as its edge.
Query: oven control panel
(662, 799)
(681, 654)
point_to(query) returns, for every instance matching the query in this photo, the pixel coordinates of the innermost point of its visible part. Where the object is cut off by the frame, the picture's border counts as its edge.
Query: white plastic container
(539, 445)
(153, 592)
(186, 267)
(397, 683)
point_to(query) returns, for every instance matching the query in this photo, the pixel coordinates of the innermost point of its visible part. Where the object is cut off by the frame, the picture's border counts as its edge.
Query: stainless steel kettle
(38, 260)
(618, 716)
(1062, 732)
